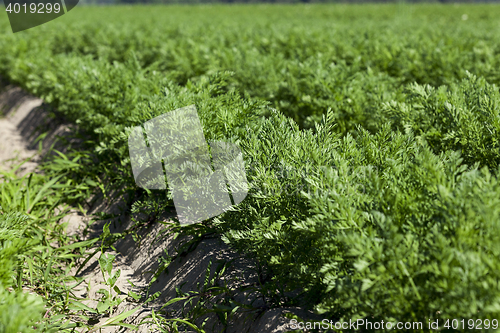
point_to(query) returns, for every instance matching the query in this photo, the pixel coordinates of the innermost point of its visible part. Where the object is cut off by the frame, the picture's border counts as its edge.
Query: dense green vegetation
(370, 136)
(35, 254)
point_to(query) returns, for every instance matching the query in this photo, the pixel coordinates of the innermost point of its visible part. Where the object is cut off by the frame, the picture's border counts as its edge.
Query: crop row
(400, 220)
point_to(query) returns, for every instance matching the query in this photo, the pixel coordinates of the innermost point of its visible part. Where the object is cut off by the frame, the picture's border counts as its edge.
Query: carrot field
(370, 136)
